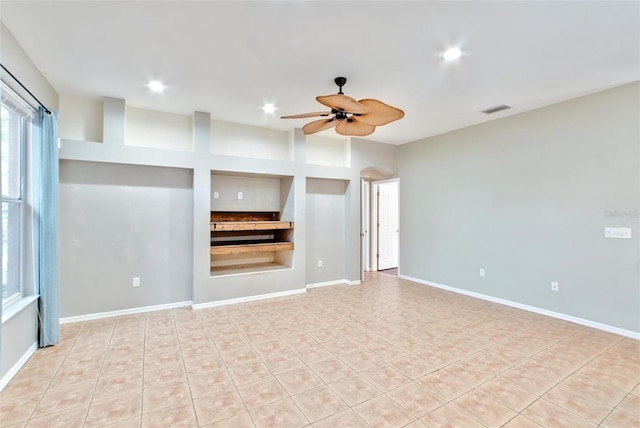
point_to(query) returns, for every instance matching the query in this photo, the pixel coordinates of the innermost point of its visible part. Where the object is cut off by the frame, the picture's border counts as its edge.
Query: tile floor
(388, 353)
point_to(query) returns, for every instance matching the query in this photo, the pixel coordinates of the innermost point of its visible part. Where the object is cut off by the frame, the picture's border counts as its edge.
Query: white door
(388, 225)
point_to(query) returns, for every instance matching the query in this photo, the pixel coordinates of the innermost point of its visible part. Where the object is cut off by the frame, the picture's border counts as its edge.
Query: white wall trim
(326, 283)
(570, 318)
(357, 282)
(18, 365)
(248, 299)
(100, 315)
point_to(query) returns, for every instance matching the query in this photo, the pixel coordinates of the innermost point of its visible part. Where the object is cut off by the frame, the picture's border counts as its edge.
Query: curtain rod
(25, 88)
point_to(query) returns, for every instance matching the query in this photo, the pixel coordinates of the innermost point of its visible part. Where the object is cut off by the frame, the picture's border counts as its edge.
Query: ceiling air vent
(496, 109)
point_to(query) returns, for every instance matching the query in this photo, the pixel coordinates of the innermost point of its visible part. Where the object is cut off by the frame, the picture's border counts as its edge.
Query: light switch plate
(240, 195)
(617, 232)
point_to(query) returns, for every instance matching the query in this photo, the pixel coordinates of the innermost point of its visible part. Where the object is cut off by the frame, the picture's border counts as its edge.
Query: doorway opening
(379, 232)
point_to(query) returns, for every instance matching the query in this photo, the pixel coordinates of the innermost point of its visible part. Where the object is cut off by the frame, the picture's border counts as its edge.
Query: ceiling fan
(348, 116)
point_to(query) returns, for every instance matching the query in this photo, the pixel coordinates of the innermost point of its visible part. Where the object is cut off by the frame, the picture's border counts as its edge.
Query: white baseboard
(336, 282)
(248, 299)
(100, 315)
(18, 365)
(570, 318)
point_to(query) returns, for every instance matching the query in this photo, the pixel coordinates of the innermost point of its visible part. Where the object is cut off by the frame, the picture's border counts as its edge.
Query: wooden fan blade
(319, 125)
(297, 116)
(379, 113)
(354, 127)
(342, 102)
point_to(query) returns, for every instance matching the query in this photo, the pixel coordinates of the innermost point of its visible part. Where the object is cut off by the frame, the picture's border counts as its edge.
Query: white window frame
(26, 279)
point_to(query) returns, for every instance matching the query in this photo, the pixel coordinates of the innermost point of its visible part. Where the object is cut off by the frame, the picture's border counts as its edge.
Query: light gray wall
(18, 333)
(325, 215)
(258, 193)
(122, 221)
(527, 198)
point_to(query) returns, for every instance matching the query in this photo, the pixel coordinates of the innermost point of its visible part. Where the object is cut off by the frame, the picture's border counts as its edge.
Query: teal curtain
(48, 265)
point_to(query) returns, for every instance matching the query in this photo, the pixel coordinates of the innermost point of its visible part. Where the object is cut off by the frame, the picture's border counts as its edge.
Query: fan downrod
(340, 81)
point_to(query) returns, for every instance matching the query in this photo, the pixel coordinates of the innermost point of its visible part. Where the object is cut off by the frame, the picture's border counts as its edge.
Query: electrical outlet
(481, 272)
(216, 195)
(554, 286)
(136, 281)
(240, 195)
(319, 263)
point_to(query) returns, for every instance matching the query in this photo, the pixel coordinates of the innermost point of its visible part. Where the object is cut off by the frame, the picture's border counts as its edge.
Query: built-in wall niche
(81, 119)
(158, 130)
(251, 223)
(234, 139)
(321, 150)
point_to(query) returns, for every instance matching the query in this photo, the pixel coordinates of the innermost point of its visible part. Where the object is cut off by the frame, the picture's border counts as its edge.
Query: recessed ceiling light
(269, 108)
(451, 54)
(156, 86)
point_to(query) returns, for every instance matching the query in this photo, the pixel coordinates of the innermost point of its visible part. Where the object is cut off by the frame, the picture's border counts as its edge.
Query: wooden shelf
(234, 226)
(250, 248)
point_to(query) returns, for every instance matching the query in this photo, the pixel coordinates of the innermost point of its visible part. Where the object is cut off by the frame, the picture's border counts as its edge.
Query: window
(15, 124)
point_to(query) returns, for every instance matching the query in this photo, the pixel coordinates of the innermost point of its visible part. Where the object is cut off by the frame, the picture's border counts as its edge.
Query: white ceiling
(229, 58)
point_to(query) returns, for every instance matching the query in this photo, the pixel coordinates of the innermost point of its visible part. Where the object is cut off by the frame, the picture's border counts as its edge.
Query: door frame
(374, 220)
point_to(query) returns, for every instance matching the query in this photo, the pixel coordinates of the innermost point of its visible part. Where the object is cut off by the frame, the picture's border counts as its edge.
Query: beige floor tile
(528, 380)
(285, 362)
(242, 420)
(283, 413)
(117, 385)
(448, 416)
(347, 418)
(361, 360)
(165, 395)
(382, 411)
(508, 393)
(75, 375)
(618, 419)
(417, 399)
(594, 388)
(314, 354)
(385, 378)
(181, 415)
(484, 409)
(549, 415)
(331, 370)
(262, 392)
(521, 422)
(631, 404)
(319, 403)
(12, 412)
(412, 366)
(114, 409)
(298, 341)
(62, 399)
(68, 418)
(444, 385)
(127, 423)
(249, 372)
(354, 389)
(121, 365)
(299, 380)
(210, 383)
(579, 404)
(215, 407)
(164, 374)
(181, 357)
(238, 356)
(270, 347)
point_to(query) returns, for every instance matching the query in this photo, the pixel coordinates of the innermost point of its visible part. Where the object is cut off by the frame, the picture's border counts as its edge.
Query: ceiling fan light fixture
(451, 54)
(348, 116)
